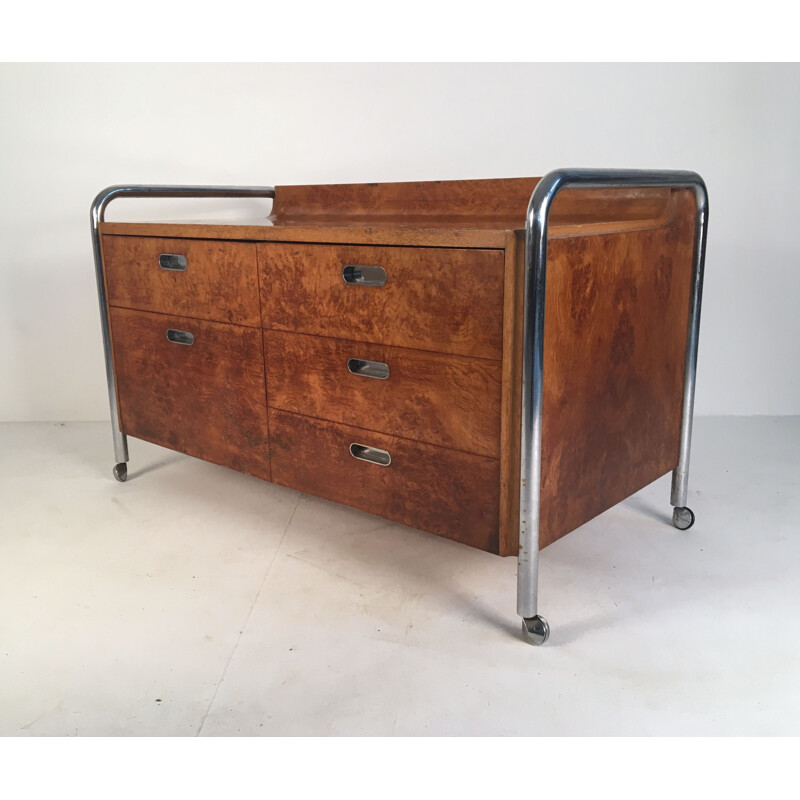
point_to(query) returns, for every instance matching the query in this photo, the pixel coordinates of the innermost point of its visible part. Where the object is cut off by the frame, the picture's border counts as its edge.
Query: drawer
(197, 278)
(444, 300)
(448, 492)
(447, 400)
(206, 398)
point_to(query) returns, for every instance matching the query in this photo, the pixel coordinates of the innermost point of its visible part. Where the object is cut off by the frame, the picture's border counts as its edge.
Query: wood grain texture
(448, 301)
(446, 400)
(504, 198)
(614, 347)
(206, 400)
(110, 327)
(442, 491)
(432, 233)
(220, 282)
(478, 232)
(449, 324)
(475, 214)
(511, 393)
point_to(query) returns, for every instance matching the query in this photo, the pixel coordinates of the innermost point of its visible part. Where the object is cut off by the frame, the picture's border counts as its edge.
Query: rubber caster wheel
(121, 472)
(682, 518)
(535, 630)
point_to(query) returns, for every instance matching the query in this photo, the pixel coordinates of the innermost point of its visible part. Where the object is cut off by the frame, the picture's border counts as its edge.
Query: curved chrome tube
(533, 346)
(97, 213)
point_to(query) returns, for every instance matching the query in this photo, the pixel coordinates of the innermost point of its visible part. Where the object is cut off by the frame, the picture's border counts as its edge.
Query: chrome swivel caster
(535, 630)
(682, 518)
(121, 472)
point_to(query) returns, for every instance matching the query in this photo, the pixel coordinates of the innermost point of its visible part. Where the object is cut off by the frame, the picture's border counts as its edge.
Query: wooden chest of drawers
(367, 344)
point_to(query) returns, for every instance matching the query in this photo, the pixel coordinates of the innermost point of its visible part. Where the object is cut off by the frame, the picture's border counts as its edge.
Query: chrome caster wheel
(121, 472)
(535, 630)
(682, 518)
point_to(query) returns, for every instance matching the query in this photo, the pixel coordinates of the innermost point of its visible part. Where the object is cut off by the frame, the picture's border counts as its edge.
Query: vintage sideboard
(396, 348)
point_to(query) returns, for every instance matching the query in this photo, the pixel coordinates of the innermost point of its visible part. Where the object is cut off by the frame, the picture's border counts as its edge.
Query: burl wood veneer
(447, 301)
(265, 387)
(220, 281)
(446, 400)
(615, 331)
(443, 491)
(206, 399)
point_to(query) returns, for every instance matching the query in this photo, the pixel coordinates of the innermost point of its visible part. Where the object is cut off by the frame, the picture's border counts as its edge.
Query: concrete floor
(195, 600)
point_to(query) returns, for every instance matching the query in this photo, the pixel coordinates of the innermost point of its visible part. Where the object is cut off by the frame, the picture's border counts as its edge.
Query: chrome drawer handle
(368, 369)
(172, 262)
(356, 275)
(371, 454)
(180, 337)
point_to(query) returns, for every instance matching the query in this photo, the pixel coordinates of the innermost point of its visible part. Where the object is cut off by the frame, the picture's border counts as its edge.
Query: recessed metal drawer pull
(180, 337)
(368, 369)
(172, 262)
(371, 454)
(356, 275)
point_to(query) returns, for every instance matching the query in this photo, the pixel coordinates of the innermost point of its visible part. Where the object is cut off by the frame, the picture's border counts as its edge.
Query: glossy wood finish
(447, 492)
(220, 282)
(615, 343)
(206, 399)
(448, 301)
(446, 400)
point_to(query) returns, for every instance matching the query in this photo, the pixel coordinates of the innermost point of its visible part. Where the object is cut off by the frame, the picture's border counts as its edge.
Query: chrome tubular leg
(683, 517)
(535, 628)
(97, 212)
(120, 440)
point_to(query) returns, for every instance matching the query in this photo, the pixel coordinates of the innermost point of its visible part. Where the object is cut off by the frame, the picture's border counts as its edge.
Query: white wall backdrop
(69, 130)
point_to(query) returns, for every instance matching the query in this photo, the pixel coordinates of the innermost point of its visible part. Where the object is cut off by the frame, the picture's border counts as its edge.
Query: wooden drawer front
(435, 489)
(206, 399)
(452, 401)
(219, 282)
(448, 301)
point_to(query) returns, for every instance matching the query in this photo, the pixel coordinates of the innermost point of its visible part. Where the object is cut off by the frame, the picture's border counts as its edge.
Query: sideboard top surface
(468, 213)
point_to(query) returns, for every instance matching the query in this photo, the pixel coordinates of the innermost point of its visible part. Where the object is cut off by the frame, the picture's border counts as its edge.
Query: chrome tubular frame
(97, 214)
(533, 353)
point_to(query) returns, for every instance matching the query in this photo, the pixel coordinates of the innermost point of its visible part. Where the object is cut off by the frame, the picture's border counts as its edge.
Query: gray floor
(194, 600)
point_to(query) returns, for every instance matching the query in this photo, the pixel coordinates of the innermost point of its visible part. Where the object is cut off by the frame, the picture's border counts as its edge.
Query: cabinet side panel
(107, 311)
(511, 398)
(615, 342)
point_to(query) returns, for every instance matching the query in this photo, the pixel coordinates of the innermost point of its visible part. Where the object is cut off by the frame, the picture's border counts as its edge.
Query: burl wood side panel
(443, 491)
(441, 300)
(451, 401)
(504, 198)
(614, 348)
(220, 282)
(511, 393)
(205, 399)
